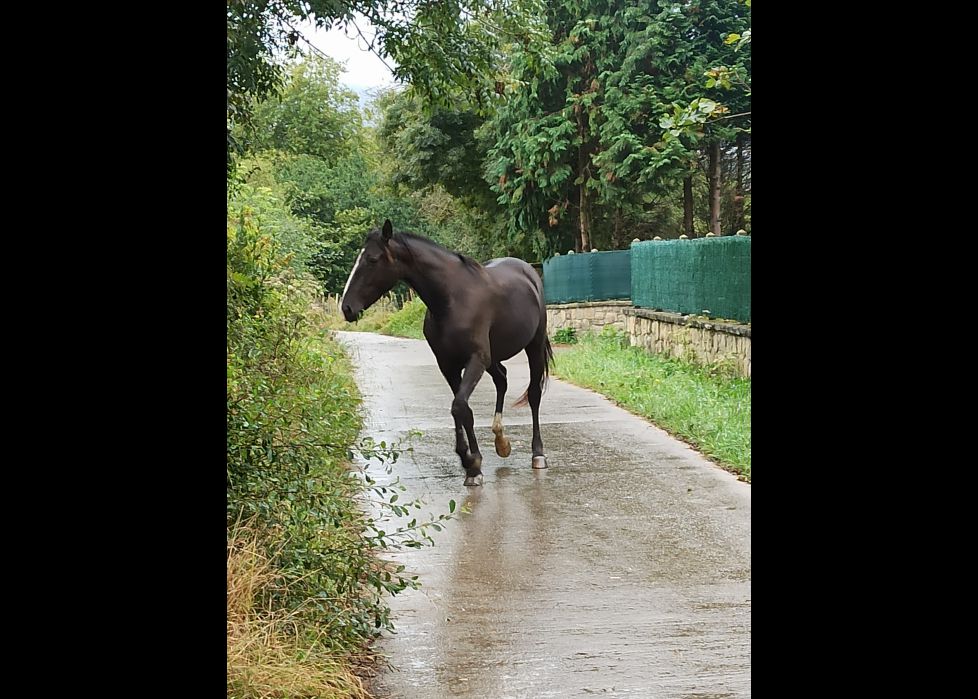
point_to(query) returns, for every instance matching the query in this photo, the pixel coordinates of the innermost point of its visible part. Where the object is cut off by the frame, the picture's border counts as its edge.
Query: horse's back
(510, 270)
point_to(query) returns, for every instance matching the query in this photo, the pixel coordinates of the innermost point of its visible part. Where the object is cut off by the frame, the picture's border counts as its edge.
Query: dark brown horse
(478, 316)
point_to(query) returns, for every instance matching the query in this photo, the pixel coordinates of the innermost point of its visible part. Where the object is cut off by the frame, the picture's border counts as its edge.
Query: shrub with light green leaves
(292, 416)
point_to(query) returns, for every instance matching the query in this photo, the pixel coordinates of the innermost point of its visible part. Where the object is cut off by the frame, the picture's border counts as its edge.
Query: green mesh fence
(589, 276)
(708, 276)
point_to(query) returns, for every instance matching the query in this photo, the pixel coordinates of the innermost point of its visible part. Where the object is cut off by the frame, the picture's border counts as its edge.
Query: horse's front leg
(462, 413)
(453, 374)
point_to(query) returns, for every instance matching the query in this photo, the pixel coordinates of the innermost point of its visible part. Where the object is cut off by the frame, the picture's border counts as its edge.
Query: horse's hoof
(474, 480)
(503, 447)
(539, 462)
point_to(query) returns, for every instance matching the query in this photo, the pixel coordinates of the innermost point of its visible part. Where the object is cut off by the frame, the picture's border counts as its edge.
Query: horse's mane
(404, 236)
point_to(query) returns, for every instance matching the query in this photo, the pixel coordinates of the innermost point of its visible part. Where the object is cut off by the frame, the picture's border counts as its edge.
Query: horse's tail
(548, 357)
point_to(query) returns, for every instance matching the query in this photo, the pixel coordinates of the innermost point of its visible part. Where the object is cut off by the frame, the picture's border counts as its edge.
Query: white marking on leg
(352, 272)
(503, 446)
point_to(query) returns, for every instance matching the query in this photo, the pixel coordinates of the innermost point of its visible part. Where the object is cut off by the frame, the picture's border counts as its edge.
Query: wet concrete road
(622, 570)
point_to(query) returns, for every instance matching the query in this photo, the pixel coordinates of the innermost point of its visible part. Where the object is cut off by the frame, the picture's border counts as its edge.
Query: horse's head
(374, 273)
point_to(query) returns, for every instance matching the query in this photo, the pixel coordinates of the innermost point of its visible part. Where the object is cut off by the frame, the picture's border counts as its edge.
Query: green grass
(407, 322)
(565, 336)
(708, 408)
(382, 317)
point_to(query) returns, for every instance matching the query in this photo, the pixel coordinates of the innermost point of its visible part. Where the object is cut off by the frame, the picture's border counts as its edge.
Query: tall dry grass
(271, 654)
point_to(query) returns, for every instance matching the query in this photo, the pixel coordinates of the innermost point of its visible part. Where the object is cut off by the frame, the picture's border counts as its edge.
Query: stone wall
(702, 341)
(582, 317)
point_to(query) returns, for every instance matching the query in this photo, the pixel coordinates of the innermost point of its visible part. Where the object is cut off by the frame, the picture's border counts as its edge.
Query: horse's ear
(388, 229)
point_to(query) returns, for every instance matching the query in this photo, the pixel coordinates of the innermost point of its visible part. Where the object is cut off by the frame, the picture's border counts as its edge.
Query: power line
(370, 46)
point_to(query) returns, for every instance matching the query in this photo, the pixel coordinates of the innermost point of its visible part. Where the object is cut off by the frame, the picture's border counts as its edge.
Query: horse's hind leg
(472, 460)
(536, 354)
(498, 373)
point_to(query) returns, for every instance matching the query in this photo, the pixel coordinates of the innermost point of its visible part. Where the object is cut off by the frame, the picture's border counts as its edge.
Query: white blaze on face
(352, 272)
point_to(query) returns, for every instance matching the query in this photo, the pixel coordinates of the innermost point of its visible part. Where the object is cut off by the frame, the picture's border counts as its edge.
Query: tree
(714, 108)
(442, 49)
(639, 164)
(251, 74)
(543, 138)
(434, 148)
(580, 135)
(312, 114)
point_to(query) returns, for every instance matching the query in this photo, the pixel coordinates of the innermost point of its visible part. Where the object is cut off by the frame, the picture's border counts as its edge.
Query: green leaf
(451, 505)
(518, 194)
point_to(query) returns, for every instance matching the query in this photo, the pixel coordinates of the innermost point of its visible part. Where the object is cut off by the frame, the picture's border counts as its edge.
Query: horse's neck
(429, 276)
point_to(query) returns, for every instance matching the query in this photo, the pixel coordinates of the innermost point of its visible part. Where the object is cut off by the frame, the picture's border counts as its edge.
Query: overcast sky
(364, 71)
